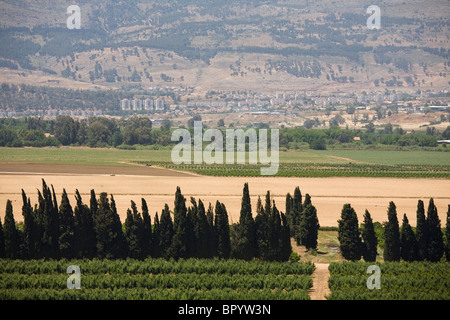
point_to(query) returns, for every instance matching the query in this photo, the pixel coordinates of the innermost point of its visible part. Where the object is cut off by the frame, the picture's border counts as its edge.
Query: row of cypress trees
(52, 231)
(302, 219)
(426, 243)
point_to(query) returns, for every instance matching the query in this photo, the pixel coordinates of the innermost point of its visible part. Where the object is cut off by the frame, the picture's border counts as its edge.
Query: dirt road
(320, 282)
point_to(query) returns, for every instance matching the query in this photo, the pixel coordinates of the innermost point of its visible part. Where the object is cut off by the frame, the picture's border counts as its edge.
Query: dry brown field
(158, 187)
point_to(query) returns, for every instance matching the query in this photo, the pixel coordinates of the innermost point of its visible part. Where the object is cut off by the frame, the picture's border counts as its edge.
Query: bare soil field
(158, 187)
(15, 167)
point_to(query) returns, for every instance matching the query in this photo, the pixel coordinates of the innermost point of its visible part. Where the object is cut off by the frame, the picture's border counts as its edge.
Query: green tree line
(426, 243)
(53, 231)
(103, 132)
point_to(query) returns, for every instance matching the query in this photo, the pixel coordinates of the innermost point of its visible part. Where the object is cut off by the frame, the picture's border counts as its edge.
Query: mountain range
(259, 45)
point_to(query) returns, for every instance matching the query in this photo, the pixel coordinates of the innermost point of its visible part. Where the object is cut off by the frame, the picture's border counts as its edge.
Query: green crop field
(293, 163)
(398, 281)
(428, 158)
(156, 279)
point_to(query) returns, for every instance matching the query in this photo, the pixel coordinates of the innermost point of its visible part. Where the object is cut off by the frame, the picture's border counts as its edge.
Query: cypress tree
(130, 234)
(119, 248)
(54, 211)
(30, 229)
(222, 229)
(289, 209)
(156, 235)
(274, 234)
(201, 231)
(435, 241)
(245, 243)
(108, 229)
(180, 237)
(302, 228)
(297, 215)
(147, 230)
(212, 246)
(42, 246)
(310, 226)
(134, 232)
(392, 235)
(67, 228)
(447, 235)
(2, 242)
(285, 240)
(85, 240)
(348, 234)
(93, 204)
(10, 233)
(369, 239)
(262, 230)
(166, 233)
(191, 221)
(48, 222)
(408, 244)
(421, 232)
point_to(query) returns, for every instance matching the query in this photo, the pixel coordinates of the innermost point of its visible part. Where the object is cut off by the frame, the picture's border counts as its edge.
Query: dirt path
(320, 282)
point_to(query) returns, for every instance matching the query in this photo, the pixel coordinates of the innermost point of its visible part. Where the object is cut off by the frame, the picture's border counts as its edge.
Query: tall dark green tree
(348, 234)
(285, 239)
(66, 228)
(421, 232)
(201, 231)
(222, 229)
(191, 221)
(212, 245)
(85, 239)
(289, 209)
(119, 245)
(166, 233)
(134, 232)
(274, 233)
(309, 226)
(369, 239)
(156, 235)
(262, 227)
(391, 235)
(147, 229)
(297, 215)
(435, 236)
(2, 242)
(245, 242)
(93, 203)
(408, 244)
(447, 235)
(30, 229)
(111, 242)
(48, 221)
(10, 233)
(180, 238)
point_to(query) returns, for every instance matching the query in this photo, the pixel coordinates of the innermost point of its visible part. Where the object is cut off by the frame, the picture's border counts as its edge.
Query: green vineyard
(398, 281)
(156, 279)
(312, 170)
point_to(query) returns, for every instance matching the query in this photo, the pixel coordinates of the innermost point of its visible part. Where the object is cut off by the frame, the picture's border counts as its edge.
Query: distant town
(175, 103)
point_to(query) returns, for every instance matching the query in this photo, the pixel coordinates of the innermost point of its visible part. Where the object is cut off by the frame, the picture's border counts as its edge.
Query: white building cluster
(151, 105)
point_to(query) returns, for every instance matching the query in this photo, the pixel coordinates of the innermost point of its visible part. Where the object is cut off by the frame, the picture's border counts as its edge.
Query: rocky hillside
(234, 44)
